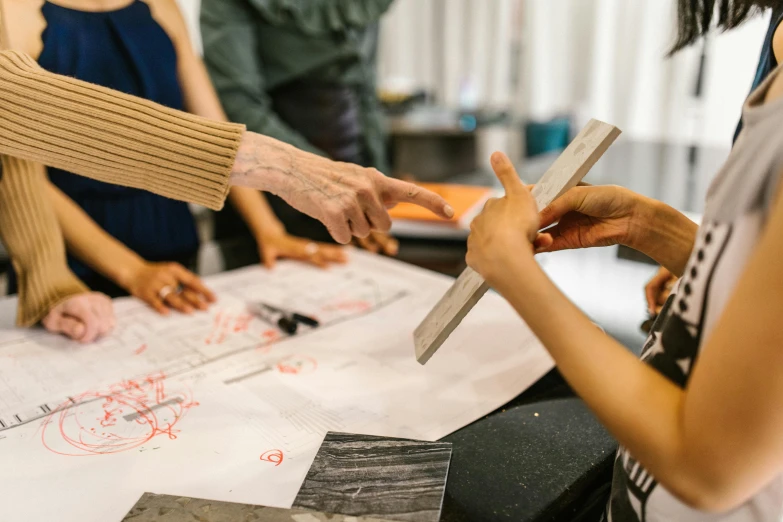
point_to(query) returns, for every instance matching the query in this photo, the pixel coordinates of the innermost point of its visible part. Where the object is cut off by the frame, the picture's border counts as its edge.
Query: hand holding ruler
(565, 173)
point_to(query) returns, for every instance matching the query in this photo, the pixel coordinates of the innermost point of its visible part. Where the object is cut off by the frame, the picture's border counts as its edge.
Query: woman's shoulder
(775, 89)
(24, 34)
(168, 15)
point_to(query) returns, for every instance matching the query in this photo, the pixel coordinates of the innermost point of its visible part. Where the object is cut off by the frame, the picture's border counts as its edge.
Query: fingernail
(449, 211)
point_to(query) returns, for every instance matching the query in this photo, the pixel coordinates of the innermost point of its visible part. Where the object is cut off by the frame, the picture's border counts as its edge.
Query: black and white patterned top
(738, 203)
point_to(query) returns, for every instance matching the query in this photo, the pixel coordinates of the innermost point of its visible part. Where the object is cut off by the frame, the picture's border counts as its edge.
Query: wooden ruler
(565, 173)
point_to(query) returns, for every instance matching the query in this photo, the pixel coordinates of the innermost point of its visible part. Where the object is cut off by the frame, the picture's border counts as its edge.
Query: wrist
(124, 274)
(668, 236)
(645, 219)
(262, 163)
(267, 233)
(270, 226)
(504, 271)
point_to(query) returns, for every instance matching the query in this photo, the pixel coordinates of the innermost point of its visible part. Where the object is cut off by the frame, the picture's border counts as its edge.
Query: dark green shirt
(252, 47)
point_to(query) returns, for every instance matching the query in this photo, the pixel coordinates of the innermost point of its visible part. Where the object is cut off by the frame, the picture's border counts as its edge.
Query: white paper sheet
(221, 406)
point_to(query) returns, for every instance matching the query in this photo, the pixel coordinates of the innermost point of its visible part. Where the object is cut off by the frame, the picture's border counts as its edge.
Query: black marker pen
(274, 317)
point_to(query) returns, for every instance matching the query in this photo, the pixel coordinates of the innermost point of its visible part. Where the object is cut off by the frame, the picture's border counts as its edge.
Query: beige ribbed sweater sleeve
(29, 229)
(113, 137)
(98, 133)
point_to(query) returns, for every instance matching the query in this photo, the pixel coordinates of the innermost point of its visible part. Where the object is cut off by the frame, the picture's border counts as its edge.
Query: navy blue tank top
(128, 51)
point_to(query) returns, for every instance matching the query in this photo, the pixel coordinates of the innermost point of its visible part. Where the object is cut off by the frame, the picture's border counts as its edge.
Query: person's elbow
(706, 498)
(710, 487)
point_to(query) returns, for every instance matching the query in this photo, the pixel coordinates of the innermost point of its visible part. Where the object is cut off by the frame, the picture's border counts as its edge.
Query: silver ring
(165, 291)
(311, 249)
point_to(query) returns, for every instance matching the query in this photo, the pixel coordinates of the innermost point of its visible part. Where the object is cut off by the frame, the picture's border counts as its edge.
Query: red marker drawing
(273, 456)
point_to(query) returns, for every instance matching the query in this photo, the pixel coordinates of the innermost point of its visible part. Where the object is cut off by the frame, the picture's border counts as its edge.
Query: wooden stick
(565, 173)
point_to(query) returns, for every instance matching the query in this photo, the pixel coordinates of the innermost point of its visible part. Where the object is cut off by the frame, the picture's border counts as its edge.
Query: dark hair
(695, 17)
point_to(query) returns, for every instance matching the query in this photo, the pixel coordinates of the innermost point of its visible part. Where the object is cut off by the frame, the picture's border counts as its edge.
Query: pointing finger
(506, 173)
(401, 191)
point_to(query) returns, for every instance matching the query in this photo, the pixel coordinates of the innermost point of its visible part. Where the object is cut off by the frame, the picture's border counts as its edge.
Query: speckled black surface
(380, 477)
(516, 466)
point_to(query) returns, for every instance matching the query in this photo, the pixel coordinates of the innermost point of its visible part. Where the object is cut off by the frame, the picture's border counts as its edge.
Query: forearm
(255, 211)
(113, 137)
(91, 244)
(639, 406)
(667, 236)
(29, 229)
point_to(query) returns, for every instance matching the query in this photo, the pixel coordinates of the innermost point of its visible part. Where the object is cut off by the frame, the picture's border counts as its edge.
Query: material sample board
(362, 475)
(167, 508)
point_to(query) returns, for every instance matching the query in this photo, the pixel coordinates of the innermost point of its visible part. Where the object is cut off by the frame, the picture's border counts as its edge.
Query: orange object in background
(463, 198)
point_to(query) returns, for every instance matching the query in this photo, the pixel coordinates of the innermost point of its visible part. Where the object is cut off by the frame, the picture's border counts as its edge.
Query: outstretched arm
(113, 137)
(104, 254)
(703, 442)
(201, 99)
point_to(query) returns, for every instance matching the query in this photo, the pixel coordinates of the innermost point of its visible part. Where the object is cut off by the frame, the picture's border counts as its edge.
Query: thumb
(57, 322)
(269, 256)
(569, 202)
(506, 173)
(72, 328)
(543, 242)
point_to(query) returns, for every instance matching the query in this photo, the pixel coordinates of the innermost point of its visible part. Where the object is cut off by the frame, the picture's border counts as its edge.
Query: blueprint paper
(221, 406)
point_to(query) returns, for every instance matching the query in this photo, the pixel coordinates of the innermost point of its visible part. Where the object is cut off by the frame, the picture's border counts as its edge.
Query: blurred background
(542, 60)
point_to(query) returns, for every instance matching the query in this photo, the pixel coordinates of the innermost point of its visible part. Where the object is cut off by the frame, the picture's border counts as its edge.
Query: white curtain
(587, 58)
(606, 59)
(459, 50)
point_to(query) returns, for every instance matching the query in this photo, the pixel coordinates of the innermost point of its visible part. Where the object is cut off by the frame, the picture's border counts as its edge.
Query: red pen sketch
(297, 365)
(119, 418)
(348, 306)
(226, 324)
(269, 338)
(242, 323)
(273, 456)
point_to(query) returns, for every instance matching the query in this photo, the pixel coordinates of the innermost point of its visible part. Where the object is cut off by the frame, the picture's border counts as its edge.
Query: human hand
(379, 242)
(594, 216)
(507, 229)
(658, 290)
(349, 200)
(281, 245)
(169, 285)
(83, 317)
